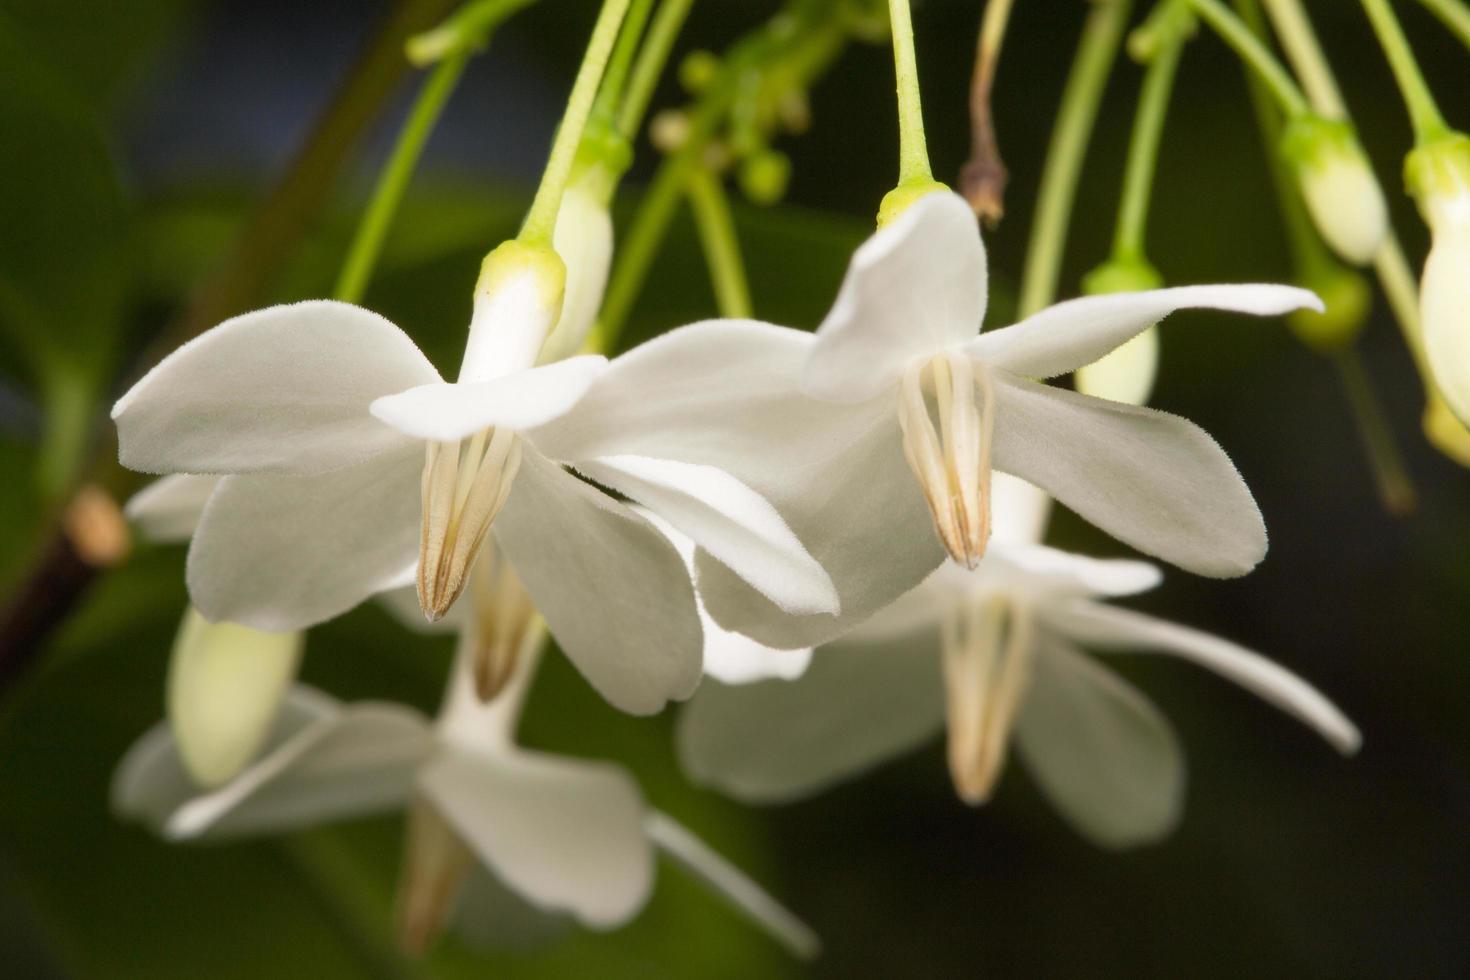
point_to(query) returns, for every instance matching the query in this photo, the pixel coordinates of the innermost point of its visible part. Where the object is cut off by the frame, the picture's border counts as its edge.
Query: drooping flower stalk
(720, 242)
(913, 151)
(1454, 14)
(983, 176)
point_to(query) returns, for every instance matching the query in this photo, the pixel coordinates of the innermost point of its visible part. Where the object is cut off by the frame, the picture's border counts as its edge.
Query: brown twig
(60, 575)
(983, 176)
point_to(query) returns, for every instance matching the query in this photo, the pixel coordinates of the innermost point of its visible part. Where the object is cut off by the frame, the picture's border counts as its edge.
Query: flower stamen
(435, 864)
(952, 464)
(504, 615)
(464, 487)
(987, 666)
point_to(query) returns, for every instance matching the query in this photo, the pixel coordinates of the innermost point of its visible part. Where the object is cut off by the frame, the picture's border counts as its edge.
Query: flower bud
(1347, 298)
(1337, 182)
(1445, 432)
(764, 176)
(584, 240)
(225, 684)
(1127, 373)
(518, 301)
(1438, 175)
(697, 70)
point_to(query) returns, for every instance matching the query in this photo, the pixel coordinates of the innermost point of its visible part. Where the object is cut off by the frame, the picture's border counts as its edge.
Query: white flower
(993, 653)
(837, 429)
(495, 831)
(324, 504)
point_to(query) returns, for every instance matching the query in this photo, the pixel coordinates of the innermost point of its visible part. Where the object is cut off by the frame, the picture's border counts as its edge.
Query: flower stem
(913, 153)
(614, 80)
(1395, 488)
(650, 64)
(541, 219)
(1289, 18)
(1428, 124)
(1255, 54)
(721, 244)
(1143, 148)
(1454, 14)
(1096, 52)
(393, 181)
(983, 177)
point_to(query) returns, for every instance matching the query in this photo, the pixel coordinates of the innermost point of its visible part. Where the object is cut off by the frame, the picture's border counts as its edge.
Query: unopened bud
(518, 300)
(697, 70)
(225, 685)
(764, 176)
(669, 130)
(584, 240)
(1347, 298)
(1126, 374)
(1337, 182)
(1445, 432)
(1438, 175)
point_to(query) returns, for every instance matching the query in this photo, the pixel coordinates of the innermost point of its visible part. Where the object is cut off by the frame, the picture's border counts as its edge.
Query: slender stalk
(1454, 14)
(615, 79)
(1253, 53)
(913, 154)
(1395, 488)
(541, 219)
(1402, 290)
(1096, 52)
(983, 177)
(650, 64)
(1143, 148)
(721, 244)
(1293, 27)
(1424, 113)
(367, 243)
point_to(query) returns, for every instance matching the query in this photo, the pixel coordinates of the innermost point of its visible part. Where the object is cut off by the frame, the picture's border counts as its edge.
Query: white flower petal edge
(1099, 750)
(566, 835)
(915, 287)
(279, 553)
(857, 705)
(1077, 332)
(1109, 627)
(325, 761)
(167, 510)
(730, 883)
(612, 589)
(1152, 480)
(444, 412)
(284, 389)
(729, 520)
(1444, 305)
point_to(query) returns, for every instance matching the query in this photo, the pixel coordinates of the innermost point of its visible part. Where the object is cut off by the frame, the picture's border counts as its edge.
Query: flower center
(952, 464)
(435, 863)
(987, 648)
(464, 486)
(504, 615)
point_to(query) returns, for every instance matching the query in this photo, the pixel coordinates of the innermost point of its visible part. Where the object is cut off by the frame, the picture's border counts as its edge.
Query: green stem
(1402, 290)
(650, 64)
(1454, 13)
(464, 32)
(721, 244)
(1428, 124)
(541, 219)
(1395, 488)
(1255, 54)
(393, 181)
(913, 154)
(1096, 53)
(1294, 29)
(1143, 149)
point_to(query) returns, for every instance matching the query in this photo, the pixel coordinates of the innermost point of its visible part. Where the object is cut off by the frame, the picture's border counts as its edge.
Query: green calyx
(1312, 141)
(515, 259)
(1122, 275)
(1438, 171)
(897, 201)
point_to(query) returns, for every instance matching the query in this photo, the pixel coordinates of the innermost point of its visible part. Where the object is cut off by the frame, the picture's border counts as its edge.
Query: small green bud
(697, 70)
(764, 176)
(1347, 298)
(1120, 275)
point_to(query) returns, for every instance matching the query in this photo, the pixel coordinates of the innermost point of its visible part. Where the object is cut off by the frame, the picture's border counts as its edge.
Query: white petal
(1100, 751)
(730, 657)
(492, 916)
(281, 553)
(1066, 336)
(1097, 625)
(284, 389)
(1018, 510)
(727, 519)
(584, 240)
(225, 687)
(857, 705)
(1066, 572)
(917, 287)
(612, 589)
(443, 412)
(731, 884)
(325, 762)
(1444, 303)
(1150, 479)
(167, 510)
(565, 834)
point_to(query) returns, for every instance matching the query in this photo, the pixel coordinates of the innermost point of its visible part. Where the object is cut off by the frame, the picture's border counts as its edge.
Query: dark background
(1290, 861)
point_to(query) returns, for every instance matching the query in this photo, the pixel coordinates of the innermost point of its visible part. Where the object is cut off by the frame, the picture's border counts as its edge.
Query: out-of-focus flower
(1337, 182)
(505, 843)
(1438, 175)
(839, 431)
(994, 654)
(324, 504)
